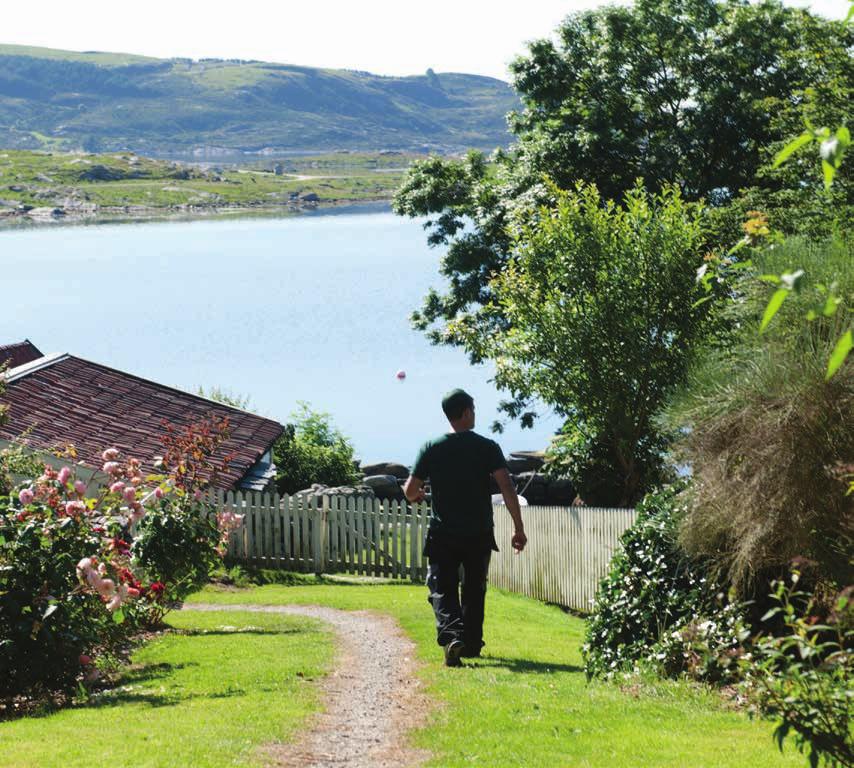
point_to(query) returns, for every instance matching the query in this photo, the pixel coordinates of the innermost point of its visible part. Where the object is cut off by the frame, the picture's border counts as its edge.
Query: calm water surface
(308, 308)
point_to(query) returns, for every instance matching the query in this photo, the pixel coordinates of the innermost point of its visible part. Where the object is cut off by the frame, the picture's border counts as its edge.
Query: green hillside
(52, 99)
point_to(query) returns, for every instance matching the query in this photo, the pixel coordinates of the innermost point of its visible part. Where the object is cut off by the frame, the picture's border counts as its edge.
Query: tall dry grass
(768, 440)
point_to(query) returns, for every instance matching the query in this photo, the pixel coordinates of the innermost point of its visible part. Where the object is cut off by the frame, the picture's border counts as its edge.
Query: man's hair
(455, 402)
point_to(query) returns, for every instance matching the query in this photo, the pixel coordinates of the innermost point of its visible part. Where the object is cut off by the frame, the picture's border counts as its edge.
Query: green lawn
(204, 699)
(528, 704)
(212, 697)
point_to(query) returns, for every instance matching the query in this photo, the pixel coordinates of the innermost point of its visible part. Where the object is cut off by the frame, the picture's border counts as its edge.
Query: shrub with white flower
(656, 607)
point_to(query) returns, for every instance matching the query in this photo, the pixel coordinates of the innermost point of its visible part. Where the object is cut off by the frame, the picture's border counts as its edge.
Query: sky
(388, 37)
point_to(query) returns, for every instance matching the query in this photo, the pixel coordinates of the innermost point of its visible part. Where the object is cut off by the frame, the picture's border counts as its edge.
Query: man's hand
(519, 541)
(413, 489)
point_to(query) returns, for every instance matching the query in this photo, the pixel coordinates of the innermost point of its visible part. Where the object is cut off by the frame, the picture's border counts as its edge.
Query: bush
(176, 546)
(657, 607)
(311, 450)
(801, 675)
(71, 581)
(62, 558)
(46, 621)
(769, 440)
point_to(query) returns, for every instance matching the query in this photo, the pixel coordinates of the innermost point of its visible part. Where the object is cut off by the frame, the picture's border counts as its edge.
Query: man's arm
(511, 500)
(413, 489)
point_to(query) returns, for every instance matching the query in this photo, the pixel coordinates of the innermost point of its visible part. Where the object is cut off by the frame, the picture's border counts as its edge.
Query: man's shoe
(472, 650)
(453, 651)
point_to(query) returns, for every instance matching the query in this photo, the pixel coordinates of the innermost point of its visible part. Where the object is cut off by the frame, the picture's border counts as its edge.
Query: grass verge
(207, 696)
(527, 703)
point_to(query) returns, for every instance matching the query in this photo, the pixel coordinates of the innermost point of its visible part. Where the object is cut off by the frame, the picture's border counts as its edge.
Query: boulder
(525, 461)
(533, 486)
(560, 492)
(384, 486)
(311, 197)
(46, 213)
(386, 468)
(317, 490)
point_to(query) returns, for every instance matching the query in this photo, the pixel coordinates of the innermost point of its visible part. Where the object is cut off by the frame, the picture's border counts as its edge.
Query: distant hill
(51, 99)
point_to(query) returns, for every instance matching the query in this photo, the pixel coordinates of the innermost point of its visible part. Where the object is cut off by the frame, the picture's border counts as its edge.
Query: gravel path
(372, 697)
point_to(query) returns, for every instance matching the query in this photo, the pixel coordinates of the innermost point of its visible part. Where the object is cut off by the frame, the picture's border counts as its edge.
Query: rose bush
(79, 572)
(65, 576)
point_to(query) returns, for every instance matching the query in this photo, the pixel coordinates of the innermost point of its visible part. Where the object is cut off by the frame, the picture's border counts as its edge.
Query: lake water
(310, 307)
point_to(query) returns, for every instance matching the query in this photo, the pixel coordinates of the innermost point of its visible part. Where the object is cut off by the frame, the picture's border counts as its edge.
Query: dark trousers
(458, 606)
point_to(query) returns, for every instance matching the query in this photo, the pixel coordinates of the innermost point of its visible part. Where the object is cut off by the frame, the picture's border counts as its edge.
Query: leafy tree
(698, 93)
(312, 450)
(226, 397)
(599, 301)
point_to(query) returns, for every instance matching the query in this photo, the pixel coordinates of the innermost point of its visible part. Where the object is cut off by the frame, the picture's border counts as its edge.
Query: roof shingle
(94, 407)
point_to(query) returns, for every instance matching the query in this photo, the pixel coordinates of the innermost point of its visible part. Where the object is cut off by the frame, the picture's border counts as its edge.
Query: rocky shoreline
(81, 212)
(384, 481)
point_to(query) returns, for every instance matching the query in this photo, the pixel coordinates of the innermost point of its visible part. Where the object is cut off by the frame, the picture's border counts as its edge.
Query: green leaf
(793, 146)
(840, 352)
(773, 279)
(702, 301)
(831, 305)
(843, 134)
(773, 307)
(812, 315)
(829, 173)
(118, 616)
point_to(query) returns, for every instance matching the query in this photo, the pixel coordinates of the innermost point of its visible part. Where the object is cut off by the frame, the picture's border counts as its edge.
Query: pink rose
(197, 494)
(158, 493)
(117, 487)
(73, 507)
(84, 660)
(129, 494)
(80, 487)
(112, 467)
(106, 587)
(110, 454)
(64, 475)
(26, 496)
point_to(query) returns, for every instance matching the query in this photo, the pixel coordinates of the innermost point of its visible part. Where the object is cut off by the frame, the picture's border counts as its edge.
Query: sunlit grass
(527, 702)
(206, 698)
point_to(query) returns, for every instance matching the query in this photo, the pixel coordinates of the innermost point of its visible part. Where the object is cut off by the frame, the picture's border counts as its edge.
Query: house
(13, 355)
(59, 400)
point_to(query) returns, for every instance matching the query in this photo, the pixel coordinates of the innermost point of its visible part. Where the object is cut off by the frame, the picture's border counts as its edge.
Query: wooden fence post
(323, 532)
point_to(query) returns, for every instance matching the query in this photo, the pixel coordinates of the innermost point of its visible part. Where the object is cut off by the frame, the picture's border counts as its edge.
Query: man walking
(459, 465)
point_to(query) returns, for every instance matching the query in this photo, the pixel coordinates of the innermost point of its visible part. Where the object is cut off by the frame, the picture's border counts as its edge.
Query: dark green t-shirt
(458, 466)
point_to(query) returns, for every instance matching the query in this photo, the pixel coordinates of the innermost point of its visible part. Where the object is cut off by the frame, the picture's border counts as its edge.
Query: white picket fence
(568, 551)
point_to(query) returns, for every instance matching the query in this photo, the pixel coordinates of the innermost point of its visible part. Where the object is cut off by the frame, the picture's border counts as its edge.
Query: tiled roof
(62, 399)
(18, 354)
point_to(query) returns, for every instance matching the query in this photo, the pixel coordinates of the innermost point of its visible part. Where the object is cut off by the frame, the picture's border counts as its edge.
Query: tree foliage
(600, 304)
(697, 93)
(312, 450)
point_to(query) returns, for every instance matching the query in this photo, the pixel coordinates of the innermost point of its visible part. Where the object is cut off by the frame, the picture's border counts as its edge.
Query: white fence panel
(568, 550)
